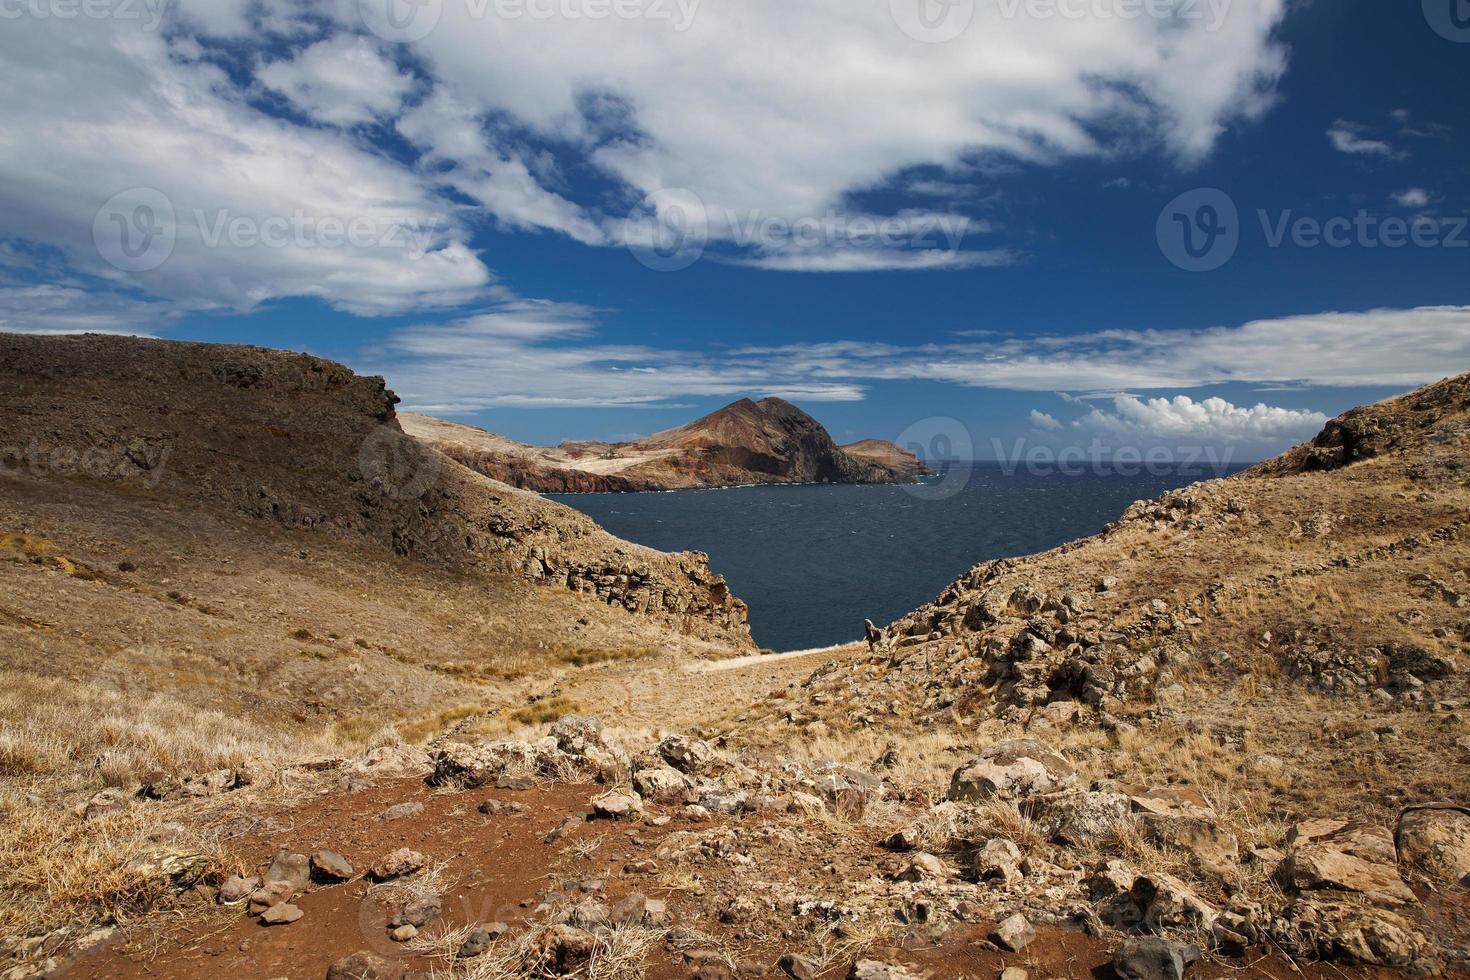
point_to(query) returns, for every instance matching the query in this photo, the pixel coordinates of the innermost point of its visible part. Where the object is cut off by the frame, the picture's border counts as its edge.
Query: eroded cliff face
(305, 442)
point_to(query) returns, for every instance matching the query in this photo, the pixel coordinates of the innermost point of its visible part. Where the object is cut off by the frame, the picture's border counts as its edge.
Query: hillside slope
(746, 442)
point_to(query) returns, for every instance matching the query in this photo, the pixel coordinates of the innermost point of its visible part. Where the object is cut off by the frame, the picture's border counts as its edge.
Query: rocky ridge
(303, 442)
(746, 442)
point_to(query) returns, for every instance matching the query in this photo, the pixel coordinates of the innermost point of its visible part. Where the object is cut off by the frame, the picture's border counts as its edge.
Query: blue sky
(560, 224)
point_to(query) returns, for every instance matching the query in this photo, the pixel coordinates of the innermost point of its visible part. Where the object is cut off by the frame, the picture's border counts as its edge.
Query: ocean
(814, 561)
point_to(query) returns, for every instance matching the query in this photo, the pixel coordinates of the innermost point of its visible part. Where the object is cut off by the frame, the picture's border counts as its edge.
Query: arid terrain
(747, 442)
(290, 693)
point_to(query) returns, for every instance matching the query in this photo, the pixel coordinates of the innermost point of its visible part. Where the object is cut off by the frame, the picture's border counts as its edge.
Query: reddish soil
(501, 868)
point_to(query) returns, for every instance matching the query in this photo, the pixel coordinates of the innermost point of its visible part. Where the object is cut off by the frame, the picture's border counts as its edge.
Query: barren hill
(1225, 737)
(769, 441)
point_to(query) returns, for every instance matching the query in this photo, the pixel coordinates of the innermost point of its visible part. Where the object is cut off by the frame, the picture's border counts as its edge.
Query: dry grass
(545, 711)
(587, 657)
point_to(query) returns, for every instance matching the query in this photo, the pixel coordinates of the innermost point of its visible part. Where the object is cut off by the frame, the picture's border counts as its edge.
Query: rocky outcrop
(747, 442)
(305, 443)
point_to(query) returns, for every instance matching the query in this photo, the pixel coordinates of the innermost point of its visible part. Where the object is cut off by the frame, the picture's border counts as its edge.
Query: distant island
(747, 442)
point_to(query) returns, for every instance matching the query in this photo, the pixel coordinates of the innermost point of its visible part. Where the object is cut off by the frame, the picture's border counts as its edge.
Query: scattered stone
(480, 940)
(1013, 973)
(364, 965)
(688, 755)
(1012, 769)
(495, 807)
(402, 811)
(1153, 959)
(397, 864)
(799, 967)
(998, 859)
(629, 911)
(236, 889)
(921, 867)
(418, 913)
(874, 970)
(617, 805)
(101, 804)
(1351, 933)
(269, 895)
(1014, 933)
(663, 783)
(294, 869)
(1436, 843)
(280, 915)
(331, 866)
(656, 913)
(403, 933)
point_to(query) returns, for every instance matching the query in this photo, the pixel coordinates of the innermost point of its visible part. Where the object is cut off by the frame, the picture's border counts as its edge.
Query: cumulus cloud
(342, 80)
(1208, 420)
(1044, 422)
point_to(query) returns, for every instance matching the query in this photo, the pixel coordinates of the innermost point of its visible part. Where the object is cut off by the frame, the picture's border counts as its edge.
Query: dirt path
(764, 659)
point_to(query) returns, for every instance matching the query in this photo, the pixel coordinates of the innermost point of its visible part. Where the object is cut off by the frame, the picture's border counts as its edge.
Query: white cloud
(69, 309)
(150, 117)
(1353, 138)
(1414, 197)
(1044, 422)
(342, 80)
(768, 106)
(1208, 420)
(543, 355)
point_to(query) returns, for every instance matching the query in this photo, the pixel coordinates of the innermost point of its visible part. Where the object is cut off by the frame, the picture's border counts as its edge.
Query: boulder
(922, 867)
(662, 783)
(1014, 933)
(799, 967)
(471, 765)
(280, 915)
(559, 950)
(688, 755)
(330, 866)
(402, 811)
(1436, 843)
(419, 912)
(580, 735)
(1075, 818)
(1355, 858)
(269, 895)
(294, 869)
(1153, 959)
(1351, 933)
(999, 859)
(481, 939)
(397, 864)
(364, 965)
(617, 805)
(1181, 820)
(1014, 769)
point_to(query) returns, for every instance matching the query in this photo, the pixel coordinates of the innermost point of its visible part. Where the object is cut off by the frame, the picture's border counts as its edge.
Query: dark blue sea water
(814, 561)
